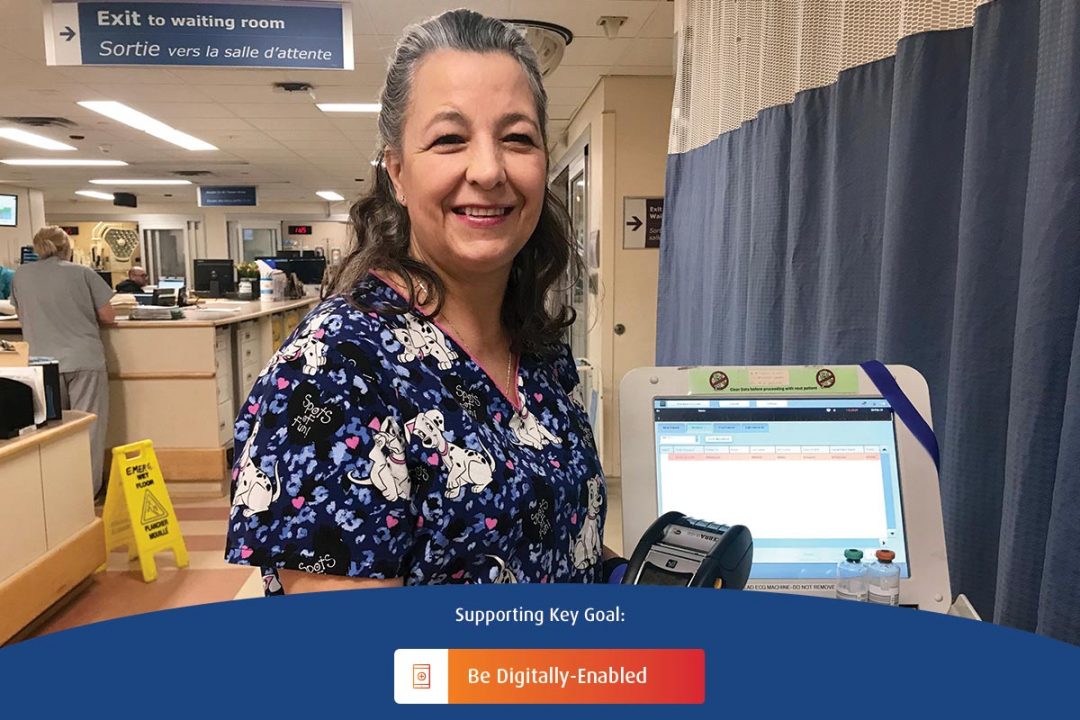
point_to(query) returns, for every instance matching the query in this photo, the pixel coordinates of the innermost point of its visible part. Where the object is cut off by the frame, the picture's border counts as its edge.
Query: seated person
(137, 279)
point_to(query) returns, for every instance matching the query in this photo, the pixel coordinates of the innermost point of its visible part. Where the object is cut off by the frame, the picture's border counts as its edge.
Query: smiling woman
(418, 426)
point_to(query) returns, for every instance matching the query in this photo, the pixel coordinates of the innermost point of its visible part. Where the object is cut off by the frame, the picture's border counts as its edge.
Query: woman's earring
(401, 199)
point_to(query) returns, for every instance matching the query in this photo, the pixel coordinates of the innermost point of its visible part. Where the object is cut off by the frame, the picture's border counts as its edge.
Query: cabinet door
(22, 513)
(67, 487)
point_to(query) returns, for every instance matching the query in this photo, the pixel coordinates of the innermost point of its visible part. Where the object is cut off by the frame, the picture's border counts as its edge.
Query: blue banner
(764, 655)
(268, 35)
(227, 196)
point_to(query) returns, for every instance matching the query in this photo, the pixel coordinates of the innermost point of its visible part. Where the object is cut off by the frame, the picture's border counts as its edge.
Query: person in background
(418, 427)
(62, 306)
(137, 279)
(5, 282)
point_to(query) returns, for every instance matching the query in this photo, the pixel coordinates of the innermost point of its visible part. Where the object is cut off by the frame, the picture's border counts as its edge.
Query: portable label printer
(679, 550)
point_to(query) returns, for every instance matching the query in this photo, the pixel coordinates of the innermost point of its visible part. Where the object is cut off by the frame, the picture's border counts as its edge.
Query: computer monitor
(810, 473)
(309, 269)
(214, 278)
(171, 283)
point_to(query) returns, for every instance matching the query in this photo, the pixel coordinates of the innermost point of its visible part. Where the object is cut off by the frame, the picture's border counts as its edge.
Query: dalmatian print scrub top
(374, 446)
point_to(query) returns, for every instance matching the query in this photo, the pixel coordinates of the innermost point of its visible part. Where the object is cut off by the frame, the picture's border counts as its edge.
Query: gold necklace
(508, 388)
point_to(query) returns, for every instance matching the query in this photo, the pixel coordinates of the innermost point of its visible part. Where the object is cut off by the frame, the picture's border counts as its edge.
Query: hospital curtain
(900, 180)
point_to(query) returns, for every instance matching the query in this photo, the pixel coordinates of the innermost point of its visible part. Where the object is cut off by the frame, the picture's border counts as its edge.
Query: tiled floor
(120, 590)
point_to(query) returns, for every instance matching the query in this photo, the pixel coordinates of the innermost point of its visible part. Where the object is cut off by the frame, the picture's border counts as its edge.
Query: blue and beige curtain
(900, 180)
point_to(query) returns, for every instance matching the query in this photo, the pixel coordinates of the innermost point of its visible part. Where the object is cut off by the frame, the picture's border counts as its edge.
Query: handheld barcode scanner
(679, 550)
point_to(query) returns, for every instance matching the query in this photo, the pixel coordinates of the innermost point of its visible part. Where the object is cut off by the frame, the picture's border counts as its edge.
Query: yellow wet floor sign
(138, 513)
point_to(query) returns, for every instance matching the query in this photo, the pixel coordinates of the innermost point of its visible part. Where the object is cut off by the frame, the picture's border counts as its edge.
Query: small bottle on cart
(851, 576)
(883, 579)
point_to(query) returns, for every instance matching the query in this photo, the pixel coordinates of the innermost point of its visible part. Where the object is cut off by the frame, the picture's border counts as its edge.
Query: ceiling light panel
(140, 121)
(372, 108)
(58, 162)
(96, 194)
(329, 195)
(33, 139)
(137, 181)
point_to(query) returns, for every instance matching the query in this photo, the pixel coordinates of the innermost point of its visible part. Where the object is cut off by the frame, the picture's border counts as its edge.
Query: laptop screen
(809, 477)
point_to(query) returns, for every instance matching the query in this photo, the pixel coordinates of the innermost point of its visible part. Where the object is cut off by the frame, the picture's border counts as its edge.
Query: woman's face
(472, 163)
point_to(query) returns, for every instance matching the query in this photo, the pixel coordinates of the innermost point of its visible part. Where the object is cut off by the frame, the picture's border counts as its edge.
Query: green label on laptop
(807, 380)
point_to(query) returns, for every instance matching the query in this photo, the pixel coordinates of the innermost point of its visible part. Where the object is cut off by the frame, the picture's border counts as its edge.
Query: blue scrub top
(372, 445)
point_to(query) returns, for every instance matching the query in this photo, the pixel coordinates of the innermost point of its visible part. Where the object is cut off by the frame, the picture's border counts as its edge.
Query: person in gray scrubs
(61, 306)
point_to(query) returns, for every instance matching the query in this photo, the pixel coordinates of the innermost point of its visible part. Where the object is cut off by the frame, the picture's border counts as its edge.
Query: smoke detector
(547, 40)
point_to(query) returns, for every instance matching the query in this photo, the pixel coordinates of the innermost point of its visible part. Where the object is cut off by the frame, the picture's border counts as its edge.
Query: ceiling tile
(662, 22)
(580, 76)
(318, 122)
(662, 70)
(166, 111)
(580, 17)
(649, 52)
(132, 94)
(251, 111)
(567, 95)
(390, 18)
(595, 51)
(561, 112)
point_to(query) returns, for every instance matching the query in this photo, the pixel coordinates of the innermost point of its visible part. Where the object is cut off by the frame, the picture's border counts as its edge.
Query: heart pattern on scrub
(381, 449)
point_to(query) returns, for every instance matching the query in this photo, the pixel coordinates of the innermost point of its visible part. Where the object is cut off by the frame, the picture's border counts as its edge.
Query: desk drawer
(248, 376)
(225, 421)
(248, 333)
(222, 339)
(224, 385)
(277, 330)
(249, 358)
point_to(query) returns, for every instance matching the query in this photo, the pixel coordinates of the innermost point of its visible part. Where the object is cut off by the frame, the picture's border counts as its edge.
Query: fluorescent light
(29, 138)
(137, 181)
(329, 195)
(140, 121)
(373, 108)
(57, 162)
(95, 194)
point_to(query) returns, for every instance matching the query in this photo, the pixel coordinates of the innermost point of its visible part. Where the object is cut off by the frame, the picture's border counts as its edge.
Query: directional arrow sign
(311, 34)
(639, 233)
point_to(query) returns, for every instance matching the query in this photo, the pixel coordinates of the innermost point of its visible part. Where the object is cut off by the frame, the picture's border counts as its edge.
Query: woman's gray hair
(51, 240)
(463, 30)
(533, 311)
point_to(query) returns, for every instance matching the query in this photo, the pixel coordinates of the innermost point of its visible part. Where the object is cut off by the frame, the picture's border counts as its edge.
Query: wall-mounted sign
(289, 34)
(299, 229)
(71, 230)
(642, 219)
(227, 196)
